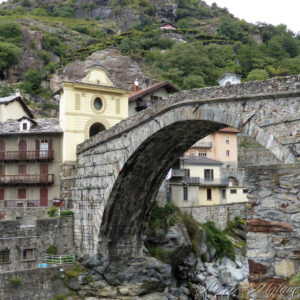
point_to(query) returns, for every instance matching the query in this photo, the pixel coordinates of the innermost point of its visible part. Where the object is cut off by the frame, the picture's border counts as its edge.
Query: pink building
(221, 146)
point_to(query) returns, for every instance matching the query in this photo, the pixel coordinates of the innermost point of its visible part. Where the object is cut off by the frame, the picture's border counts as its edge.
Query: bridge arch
(152, 149)
(120, 170)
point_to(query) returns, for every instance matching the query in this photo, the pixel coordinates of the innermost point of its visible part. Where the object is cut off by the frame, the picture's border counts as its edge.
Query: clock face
(98, 104)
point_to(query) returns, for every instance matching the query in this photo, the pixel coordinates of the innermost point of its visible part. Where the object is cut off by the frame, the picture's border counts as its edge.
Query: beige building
(89, 107)
(13, 107)
(220, 145)
(199, 182)
(30, 157)
(143, 98)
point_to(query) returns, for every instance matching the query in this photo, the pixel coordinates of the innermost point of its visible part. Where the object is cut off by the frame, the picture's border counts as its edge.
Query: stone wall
(25, 214)
(16, 237)
(220, 214)
(252, 153)
(38, 284)
(273, 224)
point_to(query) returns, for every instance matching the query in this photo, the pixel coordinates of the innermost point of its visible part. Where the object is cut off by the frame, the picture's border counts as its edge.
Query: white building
(229, 78)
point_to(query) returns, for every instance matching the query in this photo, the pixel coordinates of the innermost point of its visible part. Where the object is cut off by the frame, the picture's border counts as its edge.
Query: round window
(98, 104)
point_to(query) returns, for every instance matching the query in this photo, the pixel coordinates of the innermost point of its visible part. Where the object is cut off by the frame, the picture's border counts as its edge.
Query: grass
(15, 282)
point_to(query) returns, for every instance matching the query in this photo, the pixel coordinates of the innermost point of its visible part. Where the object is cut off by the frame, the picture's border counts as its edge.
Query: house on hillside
(229, 78)
(168, 26)
(143, 98)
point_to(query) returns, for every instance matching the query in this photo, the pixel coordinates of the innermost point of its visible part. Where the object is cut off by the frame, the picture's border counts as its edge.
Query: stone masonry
(118, 172)
(273, 225)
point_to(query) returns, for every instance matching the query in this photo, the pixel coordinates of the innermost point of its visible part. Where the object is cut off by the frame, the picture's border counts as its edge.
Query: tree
(32, 80)
(9, 55)
(10, 30)
(257, 74)
(193, 81)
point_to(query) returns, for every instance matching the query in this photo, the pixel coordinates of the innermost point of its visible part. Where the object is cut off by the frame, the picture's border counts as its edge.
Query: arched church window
(96, 128)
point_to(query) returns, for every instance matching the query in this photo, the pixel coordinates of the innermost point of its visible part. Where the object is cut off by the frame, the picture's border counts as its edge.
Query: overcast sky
(268, 11)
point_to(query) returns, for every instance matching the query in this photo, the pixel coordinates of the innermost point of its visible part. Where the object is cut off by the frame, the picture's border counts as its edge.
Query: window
(245, 191)
(4, 256)
(96, 128)
(227, 153)
(187, 172)
(98, 104)
(185, 193)
(208, 174)
(1, 194)
(44, 147)
(202, 154)
(22, 169)
(21, 193)
(28, 254)
(24, 126)
(233, 191)
(208, 194)
(227, 140)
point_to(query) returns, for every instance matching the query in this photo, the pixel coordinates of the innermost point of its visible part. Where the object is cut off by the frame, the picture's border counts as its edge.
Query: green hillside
(209, 41)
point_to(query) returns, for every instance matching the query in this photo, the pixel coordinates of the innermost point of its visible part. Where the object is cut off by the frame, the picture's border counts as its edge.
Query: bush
(15, 282)
(32, 80)
(81, 29)
(52, 250)
(217, 239)
(66, 213)
(52, 211)
(52, 43)
(64, 11)
(160, 253)
(10, 29)
(39, 12)
(9, 55)
(257, 74)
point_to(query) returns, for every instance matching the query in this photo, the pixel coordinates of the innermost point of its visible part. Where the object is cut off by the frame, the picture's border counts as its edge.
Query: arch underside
(129, 205)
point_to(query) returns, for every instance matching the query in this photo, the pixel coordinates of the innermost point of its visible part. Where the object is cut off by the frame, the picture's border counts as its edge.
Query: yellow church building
(89, 107)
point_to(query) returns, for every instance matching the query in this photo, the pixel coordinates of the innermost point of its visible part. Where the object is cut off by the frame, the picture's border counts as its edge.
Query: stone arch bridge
(119, 171)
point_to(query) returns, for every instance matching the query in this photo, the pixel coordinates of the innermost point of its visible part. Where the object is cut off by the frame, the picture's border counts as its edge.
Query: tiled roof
(165, 84)
(198, 160)
(12, 127)
(229, 130)
(7, 100)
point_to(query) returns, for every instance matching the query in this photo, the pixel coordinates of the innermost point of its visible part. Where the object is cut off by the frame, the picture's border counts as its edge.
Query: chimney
(135, 86)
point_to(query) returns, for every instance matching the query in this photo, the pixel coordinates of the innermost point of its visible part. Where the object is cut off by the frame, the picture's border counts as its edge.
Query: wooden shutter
(2, 149)
(37, 149)
(44, 172)
(21, 193)
(22, 149)
(2, 194)
(22, 169)
(44, 197)
(2, 170)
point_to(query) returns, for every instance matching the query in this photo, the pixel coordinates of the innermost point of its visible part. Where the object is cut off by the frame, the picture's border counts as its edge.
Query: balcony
(202, 144)
(35, 179)
(140, 105)
(214, 182)
(26, 155)
(22, 203)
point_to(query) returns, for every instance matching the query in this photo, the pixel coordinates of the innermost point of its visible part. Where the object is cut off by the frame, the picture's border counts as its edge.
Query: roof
(198, 160)
(164, 24)
(165, 84)
(229, 74)
(229, 130)
(12, 127)
(17, 97)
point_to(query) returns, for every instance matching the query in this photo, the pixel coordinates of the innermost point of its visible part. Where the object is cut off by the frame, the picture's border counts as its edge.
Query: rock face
(121, 69)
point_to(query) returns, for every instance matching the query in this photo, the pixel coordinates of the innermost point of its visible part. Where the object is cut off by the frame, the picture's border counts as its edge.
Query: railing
(202, 144)
(26, 179)
(191, 180)
(178, 173)
(214, 181)
(144, 103)
(60, 259)
(23, 203)
(26, 155)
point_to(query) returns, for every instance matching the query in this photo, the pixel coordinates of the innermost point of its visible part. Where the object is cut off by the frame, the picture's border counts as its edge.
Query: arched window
(96, 128)
(233, 181)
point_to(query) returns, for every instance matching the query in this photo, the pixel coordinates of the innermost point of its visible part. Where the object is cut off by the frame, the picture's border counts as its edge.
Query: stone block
(285, 268)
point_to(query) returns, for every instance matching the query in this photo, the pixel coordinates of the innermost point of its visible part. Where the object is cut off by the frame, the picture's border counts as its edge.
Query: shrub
(15, 282)
(32, 80)
(52, 211)
(160, 253)
(64, 11)
(39, 12)
(9, 55)
(52, 43)
(217, 239)
(257, 74)
(66, 213)
(52, 250)
(10, 29)
(44, 56)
